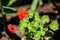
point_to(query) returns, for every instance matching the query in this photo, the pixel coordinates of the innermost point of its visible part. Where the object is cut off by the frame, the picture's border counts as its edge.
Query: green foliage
(45, 29)
(31, 28)
(31, 13)
(26, 19)
(4, 6)
(11, 2)
(38, 29)
(36, 17)
(7, 2)
(23, 24)
(42, 33)
(37, 35)
(36, 24)
(54, 25)
(41, 26)
(45, 19)
(50, 31)
(9, 11)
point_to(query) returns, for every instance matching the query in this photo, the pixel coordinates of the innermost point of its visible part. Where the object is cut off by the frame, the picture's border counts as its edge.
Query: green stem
(4, 17)
(4, 21)
(9, 8)
(34, 4)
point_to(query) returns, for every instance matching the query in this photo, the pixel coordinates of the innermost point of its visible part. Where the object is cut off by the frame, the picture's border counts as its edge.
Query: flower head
(10, 28)
(22, 13)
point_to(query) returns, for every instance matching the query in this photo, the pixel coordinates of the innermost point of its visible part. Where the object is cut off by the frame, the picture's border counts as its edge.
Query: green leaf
(43, 33)
(11, 2)
(45, 19)
(9, 11)
(22, 25)
(54, 25)
(45, 29)
(37, 38)
(26, 19)
(22, 29)
(36, 24)
(31, 28)
(31, 13)
(41, 26)
(37, 35)
(51, 32)
(36, 16)
(32, 22)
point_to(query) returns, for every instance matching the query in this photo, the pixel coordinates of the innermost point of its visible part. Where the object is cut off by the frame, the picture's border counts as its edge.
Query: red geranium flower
(10, 28)
(22, 13)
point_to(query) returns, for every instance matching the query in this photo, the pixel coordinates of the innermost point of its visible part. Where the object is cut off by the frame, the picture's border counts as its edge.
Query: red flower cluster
(11, 28)
(22, 13)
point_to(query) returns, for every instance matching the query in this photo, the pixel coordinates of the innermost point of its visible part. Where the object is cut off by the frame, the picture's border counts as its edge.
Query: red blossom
(11, 28)
(22, 13)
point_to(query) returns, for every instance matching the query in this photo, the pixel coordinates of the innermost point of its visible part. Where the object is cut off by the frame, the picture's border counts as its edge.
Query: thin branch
(9, 8)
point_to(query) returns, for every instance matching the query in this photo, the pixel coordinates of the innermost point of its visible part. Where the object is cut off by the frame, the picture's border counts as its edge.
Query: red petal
(11, 28)
(22, 14)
